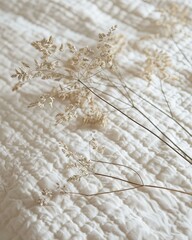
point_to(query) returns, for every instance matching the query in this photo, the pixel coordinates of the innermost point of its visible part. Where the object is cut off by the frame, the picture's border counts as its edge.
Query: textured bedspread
(30, 156)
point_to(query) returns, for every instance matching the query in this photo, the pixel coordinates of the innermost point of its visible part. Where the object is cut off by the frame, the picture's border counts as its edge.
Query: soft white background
(29, 154)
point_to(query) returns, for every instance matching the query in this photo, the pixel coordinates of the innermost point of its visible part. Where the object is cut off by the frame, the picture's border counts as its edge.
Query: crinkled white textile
(30, 159)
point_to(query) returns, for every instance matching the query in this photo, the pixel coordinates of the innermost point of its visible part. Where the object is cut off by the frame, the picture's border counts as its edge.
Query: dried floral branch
(78, 73)
(89, 64)
(173, 16)
(121, 165)
(84, 62)
(178, 15)
(143, 99)
(139, 124)
(158, 65)
(86, 168)
(180, 50)
(160, 110)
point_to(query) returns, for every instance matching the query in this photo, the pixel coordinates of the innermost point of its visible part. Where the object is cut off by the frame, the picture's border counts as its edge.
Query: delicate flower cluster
(95, 116)
(67, 68)
(96, 146)
(74, 72)
(173, 17)
(48, 194)
(157, 63)
(79, 164)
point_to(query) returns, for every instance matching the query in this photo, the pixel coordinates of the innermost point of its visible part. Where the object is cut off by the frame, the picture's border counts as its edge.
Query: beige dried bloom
(66, 150)
(22, 75)
(95, 117)
(157, 63)
(45, 68)
(79, 163)
(42, 201)
(69, 114)
(46, 197)
(94, 144)
(45, 98)
(45, 46)
(47, 194)
(173, 17)
(66, 68)
(82, 165)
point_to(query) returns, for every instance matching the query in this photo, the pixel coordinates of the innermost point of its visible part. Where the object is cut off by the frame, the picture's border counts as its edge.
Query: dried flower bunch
(87, 167)
(81, 167)
(156, 64)
(82, 64)
(47, 195)
(75, 73)
(75, 78)
(79, 162)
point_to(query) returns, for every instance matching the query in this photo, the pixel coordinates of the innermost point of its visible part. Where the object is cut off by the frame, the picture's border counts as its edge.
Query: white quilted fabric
(30, 159)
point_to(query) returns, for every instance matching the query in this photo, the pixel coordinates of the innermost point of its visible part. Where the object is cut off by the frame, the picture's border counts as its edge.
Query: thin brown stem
(144, 99)
(156, 126)
(166, 100)
(131, 188)
(143, 185)
(159, 109)
(146, 117)
(116, 178)
(102, 193)
(185, 57)
(121, 165)
(131, 119)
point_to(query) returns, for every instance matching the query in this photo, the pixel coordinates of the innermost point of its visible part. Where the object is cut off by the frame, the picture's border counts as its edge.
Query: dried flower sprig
(81, 63)
(81, 69)
(86, 168)
(175, 147)
(173, 16)
(47, 194)
(157, 63)
(79, 162)
(43, 201)
(169, 115)
(178, 16)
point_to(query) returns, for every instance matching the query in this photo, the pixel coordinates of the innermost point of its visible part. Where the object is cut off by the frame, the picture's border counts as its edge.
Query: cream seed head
(66, 65)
